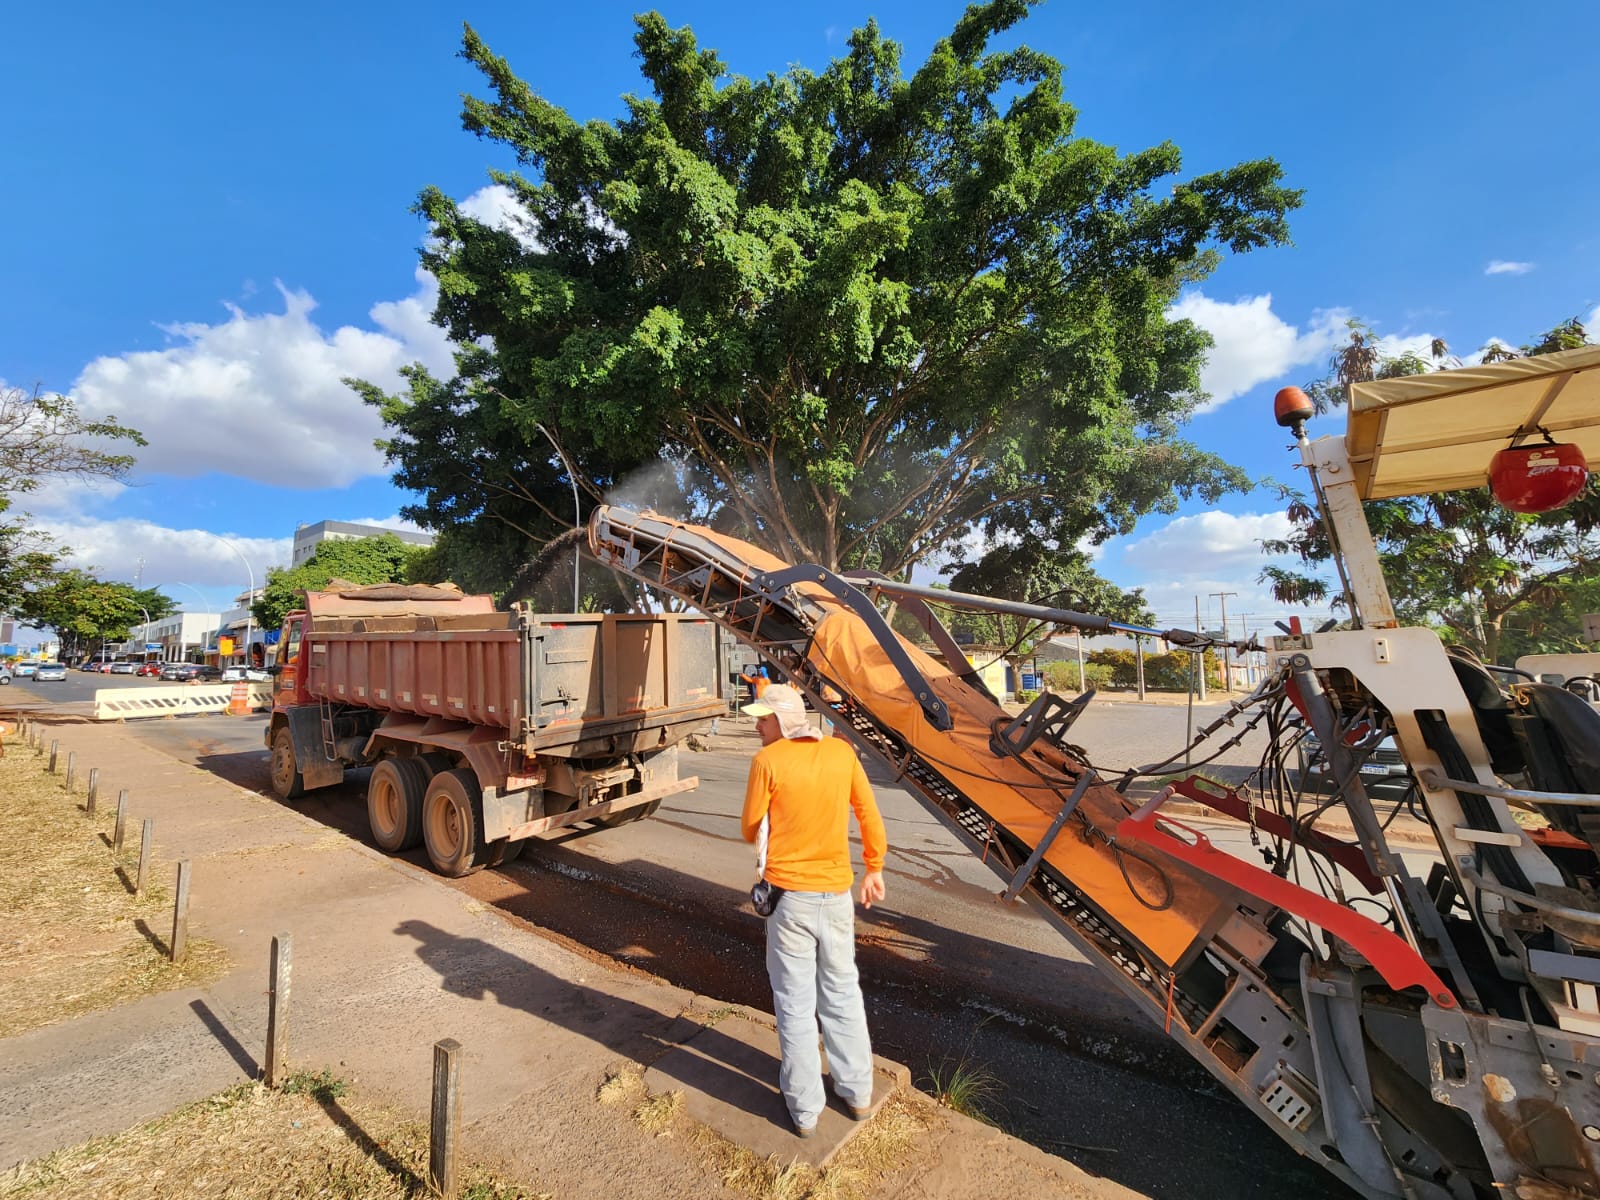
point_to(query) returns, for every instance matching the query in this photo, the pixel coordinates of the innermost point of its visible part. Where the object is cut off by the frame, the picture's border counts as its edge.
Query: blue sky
(210, 216)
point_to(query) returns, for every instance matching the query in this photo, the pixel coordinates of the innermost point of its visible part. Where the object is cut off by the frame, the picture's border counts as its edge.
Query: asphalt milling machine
(1424, 1038)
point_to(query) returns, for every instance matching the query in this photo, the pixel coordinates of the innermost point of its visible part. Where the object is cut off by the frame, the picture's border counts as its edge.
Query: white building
(306, 537)
(173, 638)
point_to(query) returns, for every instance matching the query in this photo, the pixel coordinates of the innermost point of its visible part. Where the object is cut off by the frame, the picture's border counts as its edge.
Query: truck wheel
(394, 803)
(287, 781)
(451, 827)
(432, 764)
(628, 815)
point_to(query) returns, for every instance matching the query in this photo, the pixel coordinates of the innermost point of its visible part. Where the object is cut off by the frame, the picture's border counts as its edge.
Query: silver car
(51, 672)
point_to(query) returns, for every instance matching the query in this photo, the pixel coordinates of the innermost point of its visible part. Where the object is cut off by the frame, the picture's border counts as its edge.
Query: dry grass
(657, 1114)
(74, 940)
(876, 1150)
(253, 1142)
(623, 1082)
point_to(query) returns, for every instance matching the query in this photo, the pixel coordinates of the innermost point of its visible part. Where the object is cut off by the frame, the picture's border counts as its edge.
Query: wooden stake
(281, 972)
(55, 744)
(180, 912)
(446, 1125)
(145, 841)
(94, 790)
(122, 821)
(72, 768)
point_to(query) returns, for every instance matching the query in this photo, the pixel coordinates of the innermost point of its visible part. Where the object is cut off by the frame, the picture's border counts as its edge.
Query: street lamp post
(577, 510)
(249, 617)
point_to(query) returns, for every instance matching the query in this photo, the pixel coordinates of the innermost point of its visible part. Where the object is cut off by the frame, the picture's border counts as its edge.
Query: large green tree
(852, 315)
(85, 612)
(1458, 561)
(42, 437)
(381, 559)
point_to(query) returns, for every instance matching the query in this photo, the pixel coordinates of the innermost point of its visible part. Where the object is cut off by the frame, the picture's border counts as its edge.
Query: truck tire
(432, 764)
(452, 828)
(503, 852)
(287, 781)
(394, 803)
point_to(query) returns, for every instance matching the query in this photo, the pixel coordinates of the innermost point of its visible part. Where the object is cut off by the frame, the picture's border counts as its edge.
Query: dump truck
(1433, 1036)
(484, 728)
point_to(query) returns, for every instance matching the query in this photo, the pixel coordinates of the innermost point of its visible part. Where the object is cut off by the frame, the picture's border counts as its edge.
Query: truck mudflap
(310, 753)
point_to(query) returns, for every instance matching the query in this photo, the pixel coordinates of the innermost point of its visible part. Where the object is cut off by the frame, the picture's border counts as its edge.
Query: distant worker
(804, 787)
(758, 679)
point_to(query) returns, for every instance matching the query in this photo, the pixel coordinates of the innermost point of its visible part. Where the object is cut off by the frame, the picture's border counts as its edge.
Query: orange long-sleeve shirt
(808, 789)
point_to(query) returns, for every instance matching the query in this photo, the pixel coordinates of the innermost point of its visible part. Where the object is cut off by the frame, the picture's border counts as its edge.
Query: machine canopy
(1437, 432)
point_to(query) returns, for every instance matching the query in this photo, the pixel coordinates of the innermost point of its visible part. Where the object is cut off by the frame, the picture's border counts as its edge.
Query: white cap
(784, 702)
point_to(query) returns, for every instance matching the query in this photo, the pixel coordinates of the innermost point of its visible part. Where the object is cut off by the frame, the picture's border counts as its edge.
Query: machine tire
(394, 803)
(452, 828)
(287, 781)
(628, 816)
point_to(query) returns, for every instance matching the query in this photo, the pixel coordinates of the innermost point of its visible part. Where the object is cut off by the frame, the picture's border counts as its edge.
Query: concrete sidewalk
(387, 960)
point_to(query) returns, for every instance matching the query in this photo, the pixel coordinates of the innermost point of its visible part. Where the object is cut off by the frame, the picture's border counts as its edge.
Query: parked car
(235, 673)
(51, 672)
(1383, 771)
(191, 672)
(123, 668)
(149, 670)
(25, 670)
(5, 674)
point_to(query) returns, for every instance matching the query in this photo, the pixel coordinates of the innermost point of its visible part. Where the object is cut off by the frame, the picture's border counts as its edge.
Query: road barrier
(178, 699)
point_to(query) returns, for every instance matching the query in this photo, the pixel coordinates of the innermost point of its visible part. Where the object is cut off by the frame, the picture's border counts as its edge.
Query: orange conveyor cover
(845, 652)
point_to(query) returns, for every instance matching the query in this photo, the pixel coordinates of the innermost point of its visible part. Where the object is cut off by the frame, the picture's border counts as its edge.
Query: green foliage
(1063, 676)
(1172, 671)
(381, 559)
(324, 1088)
(968, 1088)
(86, 612)
(43, 436)
(851, 315)
(1458, 561)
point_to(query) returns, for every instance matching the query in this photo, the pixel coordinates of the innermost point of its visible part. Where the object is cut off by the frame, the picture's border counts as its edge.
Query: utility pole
(1081, 682)
(1227, 682)
(1200, 658)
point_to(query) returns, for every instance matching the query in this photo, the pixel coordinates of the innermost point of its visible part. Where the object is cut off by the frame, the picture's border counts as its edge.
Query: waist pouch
(764, 897)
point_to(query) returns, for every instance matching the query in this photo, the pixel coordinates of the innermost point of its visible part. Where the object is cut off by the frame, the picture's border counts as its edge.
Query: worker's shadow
(728, 1069)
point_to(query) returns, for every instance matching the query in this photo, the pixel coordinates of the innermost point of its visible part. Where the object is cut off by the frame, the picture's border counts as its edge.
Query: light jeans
(811, 961)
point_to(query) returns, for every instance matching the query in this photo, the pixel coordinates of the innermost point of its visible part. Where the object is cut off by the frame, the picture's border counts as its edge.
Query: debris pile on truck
(484, 728)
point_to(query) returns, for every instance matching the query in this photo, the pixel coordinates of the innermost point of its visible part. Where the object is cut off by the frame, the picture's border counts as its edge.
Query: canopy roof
(1437, 432)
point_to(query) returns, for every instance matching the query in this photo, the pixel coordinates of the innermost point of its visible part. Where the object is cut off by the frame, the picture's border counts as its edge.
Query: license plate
(1374, 769)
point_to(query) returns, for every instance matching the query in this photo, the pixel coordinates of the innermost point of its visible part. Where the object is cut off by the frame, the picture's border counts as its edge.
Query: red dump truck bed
(485, 728)
(544, 679)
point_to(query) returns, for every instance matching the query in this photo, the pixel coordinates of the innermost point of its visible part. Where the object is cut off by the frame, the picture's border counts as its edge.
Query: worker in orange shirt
(757, 680)
(803, 787)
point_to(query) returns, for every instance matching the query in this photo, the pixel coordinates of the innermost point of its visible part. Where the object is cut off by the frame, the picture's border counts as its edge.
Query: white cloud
(497, 206)
(260, 396)
(129, 548)
(1253, 344)
(1196, 558)
(1500, 266)
(1206, 543)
